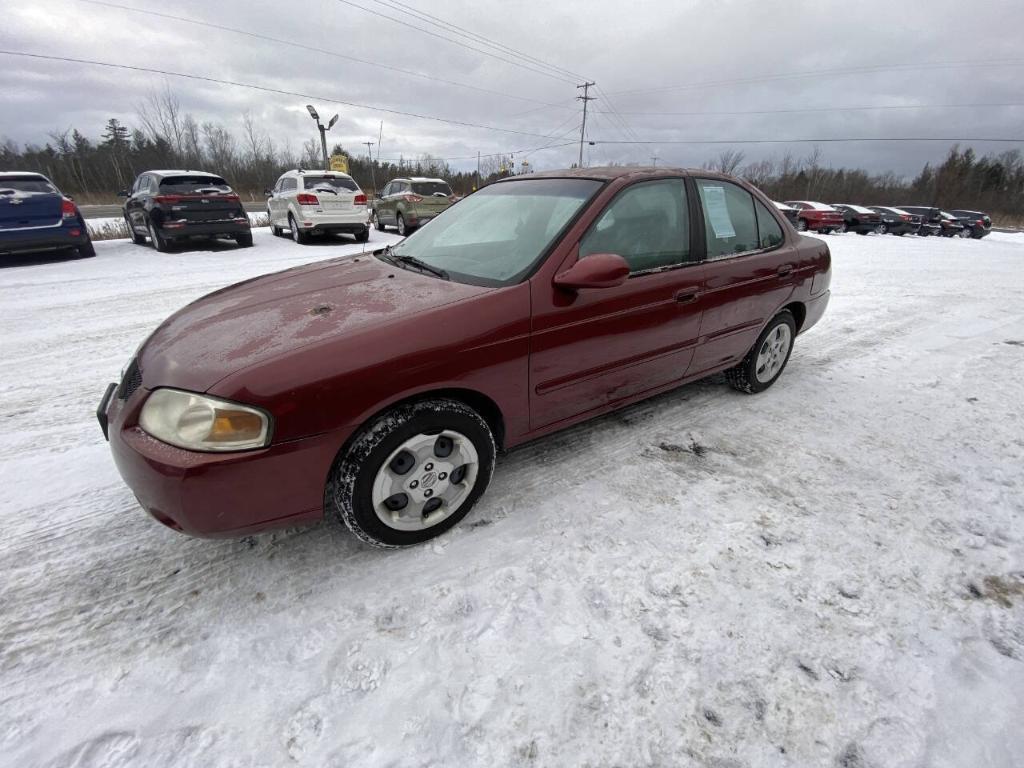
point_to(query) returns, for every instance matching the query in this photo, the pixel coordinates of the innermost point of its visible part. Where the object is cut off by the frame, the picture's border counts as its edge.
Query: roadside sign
(339, 163)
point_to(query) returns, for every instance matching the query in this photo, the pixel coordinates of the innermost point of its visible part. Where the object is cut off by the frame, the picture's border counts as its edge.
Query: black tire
(400, 222)
(244, 240)
(375, 220)
(801, 225)
(883, 229)
(743, 377)
(298, 235)
(159, 243)
(274, 229)
(135, 236)
(86, 250)
(363, 237)
(844, 228)
(348, 495)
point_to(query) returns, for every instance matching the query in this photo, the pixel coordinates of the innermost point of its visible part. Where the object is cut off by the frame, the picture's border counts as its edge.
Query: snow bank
(826, 574)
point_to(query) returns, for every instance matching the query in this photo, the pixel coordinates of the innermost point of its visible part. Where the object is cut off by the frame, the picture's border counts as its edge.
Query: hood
(268, 317)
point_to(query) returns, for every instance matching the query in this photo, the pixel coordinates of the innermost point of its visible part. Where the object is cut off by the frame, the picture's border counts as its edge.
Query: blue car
(36, 218)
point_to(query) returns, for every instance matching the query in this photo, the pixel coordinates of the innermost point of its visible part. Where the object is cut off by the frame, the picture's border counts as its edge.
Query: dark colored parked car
(896, 221)
(857, 218)
(978, 224)
(377, 388)
(36, 218)
(816, 217)
(170, 206)
(791, 213)
(931, 218)
(951, 227)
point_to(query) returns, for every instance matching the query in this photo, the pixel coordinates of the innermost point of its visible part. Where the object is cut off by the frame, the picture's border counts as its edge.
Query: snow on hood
(266, 318)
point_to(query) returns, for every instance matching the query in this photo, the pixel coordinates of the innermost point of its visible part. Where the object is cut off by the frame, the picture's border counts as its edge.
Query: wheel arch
(799, 311)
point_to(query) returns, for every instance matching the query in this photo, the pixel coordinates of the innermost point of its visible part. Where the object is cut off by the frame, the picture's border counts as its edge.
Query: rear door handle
(785, 270)
(688, 296)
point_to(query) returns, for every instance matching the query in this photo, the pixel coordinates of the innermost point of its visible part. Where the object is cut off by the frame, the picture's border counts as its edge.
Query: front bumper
(38, 241)
(217, 494)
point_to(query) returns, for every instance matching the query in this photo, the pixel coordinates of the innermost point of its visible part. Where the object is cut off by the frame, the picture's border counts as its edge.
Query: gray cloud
(624, 48)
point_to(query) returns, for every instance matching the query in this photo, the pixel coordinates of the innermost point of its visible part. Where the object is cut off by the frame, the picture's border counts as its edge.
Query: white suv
(315, 202)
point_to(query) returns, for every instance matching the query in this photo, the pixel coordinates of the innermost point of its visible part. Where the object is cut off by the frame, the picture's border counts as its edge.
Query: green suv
(410, 203)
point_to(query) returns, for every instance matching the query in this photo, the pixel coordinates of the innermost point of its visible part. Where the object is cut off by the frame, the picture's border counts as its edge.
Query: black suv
(180, 205)
(977, 223)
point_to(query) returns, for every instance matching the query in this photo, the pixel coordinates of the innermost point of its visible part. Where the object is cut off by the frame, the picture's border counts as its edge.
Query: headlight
(202, 423)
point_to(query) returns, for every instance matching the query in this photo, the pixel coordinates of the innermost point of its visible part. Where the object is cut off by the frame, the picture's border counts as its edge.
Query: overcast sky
(628, 48)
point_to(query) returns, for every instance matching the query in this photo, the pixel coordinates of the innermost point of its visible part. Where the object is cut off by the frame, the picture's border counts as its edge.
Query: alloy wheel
(773, 352)
(425, 480)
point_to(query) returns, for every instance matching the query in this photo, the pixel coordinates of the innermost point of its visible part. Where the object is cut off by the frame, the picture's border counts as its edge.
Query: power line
(815, 141)
(825, 72)
(818, 109)
(313, 49)
(441, 23)
(520, 64)
(493, 154)
(266, 89)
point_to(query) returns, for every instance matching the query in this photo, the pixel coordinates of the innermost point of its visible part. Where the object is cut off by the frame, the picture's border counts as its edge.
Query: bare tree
(726, 162)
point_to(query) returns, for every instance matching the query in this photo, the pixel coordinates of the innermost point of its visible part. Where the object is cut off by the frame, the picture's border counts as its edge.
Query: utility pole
(477, 170)
(654, 159)
(584, 98)
(369, 152)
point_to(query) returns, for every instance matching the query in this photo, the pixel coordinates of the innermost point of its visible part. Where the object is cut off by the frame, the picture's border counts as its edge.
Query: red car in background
(377, 388)
(817, 217)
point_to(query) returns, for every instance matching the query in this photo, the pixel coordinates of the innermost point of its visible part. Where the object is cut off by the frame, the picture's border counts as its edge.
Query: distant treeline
(93, 170)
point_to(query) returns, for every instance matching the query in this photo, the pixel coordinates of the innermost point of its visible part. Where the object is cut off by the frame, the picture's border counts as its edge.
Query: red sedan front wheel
(412, 473)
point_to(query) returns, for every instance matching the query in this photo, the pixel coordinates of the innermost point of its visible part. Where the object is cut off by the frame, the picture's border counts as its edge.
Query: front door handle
(687, 296)
(785, 270)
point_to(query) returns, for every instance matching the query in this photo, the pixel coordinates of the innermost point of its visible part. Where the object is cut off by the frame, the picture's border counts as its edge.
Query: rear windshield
(431, 188)
(186, 184)
(330, 183)
(26, 184)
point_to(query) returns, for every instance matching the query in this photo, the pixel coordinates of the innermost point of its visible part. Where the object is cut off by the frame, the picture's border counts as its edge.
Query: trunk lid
(19, 210)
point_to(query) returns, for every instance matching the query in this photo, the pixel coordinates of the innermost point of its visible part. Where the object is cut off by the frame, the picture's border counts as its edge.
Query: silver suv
(317, 202)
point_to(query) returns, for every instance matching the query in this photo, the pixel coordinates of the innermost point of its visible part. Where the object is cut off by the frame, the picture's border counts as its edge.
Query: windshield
(187, 184)
(431, 188)
(27, 184)
(335, 183)
(497, 235)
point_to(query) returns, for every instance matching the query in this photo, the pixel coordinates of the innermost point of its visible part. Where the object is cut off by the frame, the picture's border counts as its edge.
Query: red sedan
(817, 217)
(377, 389)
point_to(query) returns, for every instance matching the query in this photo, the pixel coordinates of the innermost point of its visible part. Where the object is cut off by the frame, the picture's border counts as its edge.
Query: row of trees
(166, 137)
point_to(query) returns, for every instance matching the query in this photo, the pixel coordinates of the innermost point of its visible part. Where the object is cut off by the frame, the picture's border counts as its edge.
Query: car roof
(184, 173)
(608, 173)
(316, 172)
(417, 178)
(12, 174)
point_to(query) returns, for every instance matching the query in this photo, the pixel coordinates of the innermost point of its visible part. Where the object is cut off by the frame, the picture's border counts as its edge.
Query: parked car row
(921, 220)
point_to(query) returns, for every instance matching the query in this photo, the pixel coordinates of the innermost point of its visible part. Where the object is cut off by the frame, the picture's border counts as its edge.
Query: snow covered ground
(831, 573)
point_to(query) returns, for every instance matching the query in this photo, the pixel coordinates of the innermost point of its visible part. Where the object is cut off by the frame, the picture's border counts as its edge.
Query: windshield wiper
(412, 261)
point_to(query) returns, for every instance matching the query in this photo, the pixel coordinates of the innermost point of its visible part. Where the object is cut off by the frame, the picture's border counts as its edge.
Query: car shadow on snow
(36, 259)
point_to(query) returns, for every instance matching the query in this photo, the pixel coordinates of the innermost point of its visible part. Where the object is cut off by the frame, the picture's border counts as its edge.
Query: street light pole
(323, 132)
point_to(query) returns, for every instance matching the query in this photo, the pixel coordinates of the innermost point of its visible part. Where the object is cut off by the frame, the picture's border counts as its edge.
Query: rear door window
(647, 224)
(730, 223)
(769, 233)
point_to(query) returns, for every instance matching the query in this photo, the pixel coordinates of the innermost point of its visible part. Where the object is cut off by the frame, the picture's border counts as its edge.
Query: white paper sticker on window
(718, 212)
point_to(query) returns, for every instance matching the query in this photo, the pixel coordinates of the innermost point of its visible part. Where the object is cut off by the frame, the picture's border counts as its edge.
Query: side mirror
(123, 193)
(601, 270)
(268, 192)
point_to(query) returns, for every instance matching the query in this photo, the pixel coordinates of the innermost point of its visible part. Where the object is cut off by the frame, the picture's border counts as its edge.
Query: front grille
(131, 381)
